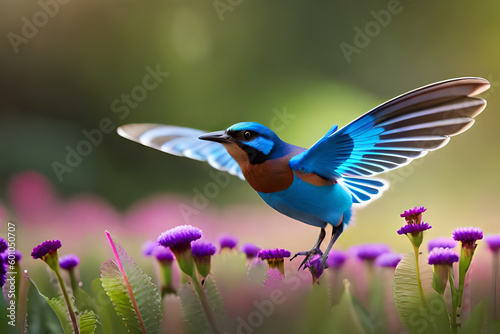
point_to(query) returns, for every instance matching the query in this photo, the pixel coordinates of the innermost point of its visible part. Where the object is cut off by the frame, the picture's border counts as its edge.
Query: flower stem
(494, 285)
(419, 283)
(454, 300)
(205, 304)
(73, 281)
(66, 299)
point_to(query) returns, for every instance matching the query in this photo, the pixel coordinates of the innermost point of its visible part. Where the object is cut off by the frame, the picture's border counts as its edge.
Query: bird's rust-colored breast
(271, 176)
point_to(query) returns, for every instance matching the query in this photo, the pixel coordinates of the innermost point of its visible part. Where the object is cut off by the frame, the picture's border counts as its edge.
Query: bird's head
(248, 141)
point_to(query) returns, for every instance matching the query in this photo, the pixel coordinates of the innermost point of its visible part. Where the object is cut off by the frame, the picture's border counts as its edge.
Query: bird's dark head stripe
(257, 141)
(254, 155)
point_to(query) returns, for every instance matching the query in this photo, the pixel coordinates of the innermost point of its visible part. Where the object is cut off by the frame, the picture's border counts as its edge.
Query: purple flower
(270, 254)
(203, 248)
(250, 250)
(274, 258)
(45, 248)
(442, 259)
(371, 251)
(442, 256)
(3, 245)
(388, 260)
(17, 256)
(228, 241)
(316, 267)
(3, 270)
(163, 254)
(336, 259)
(414, 216)
(441, 243)
(414, 228)
(493, 242)
(468, 236)
(202, 253)
(69, 261)
(149, 247)
(179, 237)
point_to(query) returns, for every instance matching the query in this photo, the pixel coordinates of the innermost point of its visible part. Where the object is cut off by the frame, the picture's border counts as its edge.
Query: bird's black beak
(217, 136)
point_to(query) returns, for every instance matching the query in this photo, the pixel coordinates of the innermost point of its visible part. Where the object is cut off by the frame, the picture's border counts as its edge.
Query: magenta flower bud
(389, 260)
(414, 228)
(47, 251)
(202, 254)
(442, 259)
(45, 248)
(316, 267)
(336, 259)
(179, 239)
(443, 256)
(163, 254)
(493, 242)
(149, 247)
(228, 242)
(414, 216)
(468, 237)
(274, 258)
(250, 250)
(17, 256)
(441, 243)
(69, 262)
(370, 252)
(3, 270)
(3, 245)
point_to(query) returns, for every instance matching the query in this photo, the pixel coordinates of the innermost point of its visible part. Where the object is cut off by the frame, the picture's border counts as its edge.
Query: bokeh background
(229, 61)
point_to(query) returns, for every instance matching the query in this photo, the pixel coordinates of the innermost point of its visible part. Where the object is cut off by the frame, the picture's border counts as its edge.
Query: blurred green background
(231, 61)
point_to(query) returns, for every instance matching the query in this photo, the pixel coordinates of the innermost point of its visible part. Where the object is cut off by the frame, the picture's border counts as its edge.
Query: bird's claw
(308, 255)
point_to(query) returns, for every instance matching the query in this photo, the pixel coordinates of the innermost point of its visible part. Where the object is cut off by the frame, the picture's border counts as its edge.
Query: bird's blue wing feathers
(182, 142)
(396, 132)
(364, 190)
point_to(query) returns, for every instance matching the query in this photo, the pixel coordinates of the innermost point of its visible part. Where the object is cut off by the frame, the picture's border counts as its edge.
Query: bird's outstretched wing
(396, 132)
(182, 142)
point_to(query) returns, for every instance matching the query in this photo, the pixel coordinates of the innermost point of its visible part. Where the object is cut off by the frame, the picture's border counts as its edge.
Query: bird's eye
(247, 135)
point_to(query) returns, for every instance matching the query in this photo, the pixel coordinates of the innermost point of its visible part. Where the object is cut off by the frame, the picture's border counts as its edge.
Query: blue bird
(320, 185)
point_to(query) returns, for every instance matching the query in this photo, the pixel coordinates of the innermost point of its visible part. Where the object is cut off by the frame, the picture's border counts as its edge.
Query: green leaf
(41, 317)
(84, 301)
(478, 322)
(345, 315)
(193, 311)
(196, 321)
(317, 312)
(136, 299)
(5, 314)
(88, 322)
(414, 316)
(108, 319)
(59, 307)
(216, 302)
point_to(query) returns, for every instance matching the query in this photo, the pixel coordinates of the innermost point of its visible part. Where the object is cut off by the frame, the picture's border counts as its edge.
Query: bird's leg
(315, 250)
(336, 231)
